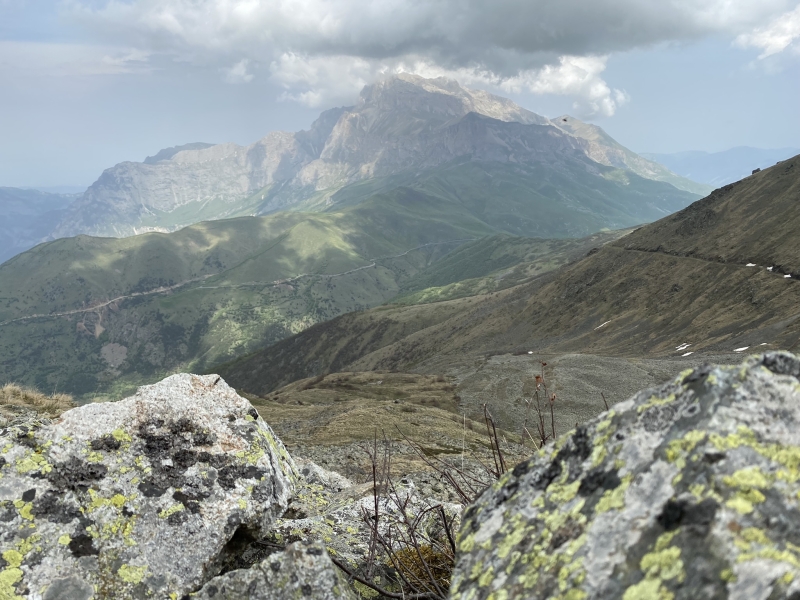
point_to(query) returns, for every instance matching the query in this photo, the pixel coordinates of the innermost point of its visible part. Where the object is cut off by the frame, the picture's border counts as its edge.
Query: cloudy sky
(85, 84)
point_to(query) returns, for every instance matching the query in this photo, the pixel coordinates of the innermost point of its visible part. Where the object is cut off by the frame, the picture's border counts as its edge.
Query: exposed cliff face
(399, 125)
(130, 197)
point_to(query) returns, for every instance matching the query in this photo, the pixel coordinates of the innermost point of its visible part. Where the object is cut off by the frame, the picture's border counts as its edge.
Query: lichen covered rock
(340, 520)
(683, 492)
(138, 498)
(300, 571)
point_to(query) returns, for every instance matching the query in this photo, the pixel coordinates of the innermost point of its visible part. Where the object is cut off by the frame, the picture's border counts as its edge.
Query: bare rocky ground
(335, 420)
(332, 420)
(504, 382)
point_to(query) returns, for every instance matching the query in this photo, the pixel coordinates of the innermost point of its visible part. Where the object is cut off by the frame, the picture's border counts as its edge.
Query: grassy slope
(681, 280)
(235, 281)
(495, 263)
(533, 200)
(330, 419)
(250, 281)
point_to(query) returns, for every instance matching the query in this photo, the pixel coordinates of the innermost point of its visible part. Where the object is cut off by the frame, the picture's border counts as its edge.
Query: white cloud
(776, 37)
(315, 81)
(342, 77)
(238, 73)
(323, 51)
(579, 76)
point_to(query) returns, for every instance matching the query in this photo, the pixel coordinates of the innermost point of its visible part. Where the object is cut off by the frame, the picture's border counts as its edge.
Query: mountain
(378, 194)
(717, 277)
(27, 217)
(400, 127)
(606, 150)
(721, 168)
(93, 316)
(168, 153)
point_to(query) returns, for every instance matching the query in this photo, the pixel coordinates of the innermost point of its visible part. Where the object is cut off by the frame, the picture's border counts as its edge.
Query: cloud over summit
(323, 51)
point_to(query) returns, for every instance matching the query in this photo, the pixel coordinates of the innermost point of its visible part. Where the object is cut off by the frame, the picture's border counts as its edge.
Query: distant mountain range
(721, 168)
(400, 127)
(27, 217)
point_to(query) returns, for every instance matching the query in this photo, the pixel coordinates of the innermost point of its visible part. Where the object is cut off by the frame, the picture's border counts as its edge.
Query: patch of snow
(687, 354)
(742, 349)
(750, 265)
(602, 325)
(769, 268)
(682, 347)
(530, 351)
(764, 344)
(786, 276)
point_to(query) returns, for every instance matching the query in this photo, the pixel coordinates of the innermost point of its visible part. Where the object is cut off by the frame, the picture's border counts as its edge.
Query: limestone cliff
(400, 125)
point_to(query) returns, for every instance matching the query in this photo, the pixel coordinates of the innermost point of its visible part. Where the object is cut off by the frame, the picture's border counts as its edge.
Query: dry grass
(424, 564)
(326, 419)
(13, 395)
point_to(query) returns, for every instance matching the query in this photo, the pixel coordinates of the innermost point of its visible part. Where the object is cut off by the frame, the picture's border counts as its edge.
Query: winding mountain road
(168, 289)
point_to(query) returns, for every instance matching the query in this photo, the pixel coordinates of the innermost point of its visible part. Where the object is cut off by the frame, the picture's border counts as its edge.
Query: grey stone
(145, 497)
(300, 571)
(329, 510)
(685, 491)
(69, 588)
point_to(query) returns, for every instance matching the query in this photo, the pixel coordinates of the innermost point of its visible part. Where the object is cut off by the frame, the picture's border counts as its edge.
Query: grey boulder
(300, 571)
(141, 498)
(686, 491)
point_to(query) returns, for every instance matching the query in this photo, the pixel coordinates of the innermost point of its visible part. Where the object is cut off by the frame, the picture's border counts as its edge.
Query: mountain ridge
(692, 280)
(400, 124)
(27, 216)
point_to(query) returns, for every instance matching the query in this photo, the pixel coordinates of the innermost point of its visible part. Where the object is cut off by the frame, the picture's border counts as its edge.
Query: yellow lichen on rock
(131, 574)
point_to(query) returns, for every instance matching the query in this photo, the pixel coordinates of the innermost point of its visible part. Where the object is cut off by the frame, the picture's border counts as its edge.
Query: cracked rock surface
(300, 571)
(141, 498)
(685, 491)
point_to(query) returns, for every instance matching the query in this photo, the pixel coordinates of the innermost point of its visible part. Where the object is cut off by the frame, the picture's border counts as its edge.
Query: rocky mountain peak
(168, 153)
(401, 123)
(440, 99)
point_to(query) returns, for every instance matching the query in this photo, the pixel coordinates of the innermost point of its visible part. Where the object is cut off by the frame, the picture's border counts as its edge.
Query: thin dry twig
(379, 589)
(397, 536)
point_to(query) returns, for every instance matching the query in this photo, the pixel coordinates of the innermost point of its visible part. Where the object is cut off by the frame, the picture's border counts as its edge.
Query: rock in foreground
(138, 498)
(300, 571)
(687, 491)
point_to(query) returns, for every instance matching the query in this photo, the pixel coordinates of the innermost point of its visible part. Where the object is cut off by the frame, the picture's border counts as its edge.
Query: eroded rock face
(300, 571)
(685, 491)
(139, 498)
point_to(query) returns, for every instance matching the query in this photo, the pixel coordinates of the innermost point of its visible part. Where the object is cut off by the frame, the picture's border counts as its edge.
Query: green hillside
(719, 276)
(531, 200)
(496, 263)
(100, 315)
(97, 316)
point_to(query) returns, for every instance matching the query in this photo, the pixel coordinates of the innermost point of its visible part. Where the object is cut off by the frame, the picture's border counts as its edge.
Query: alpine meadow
(371, 326)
